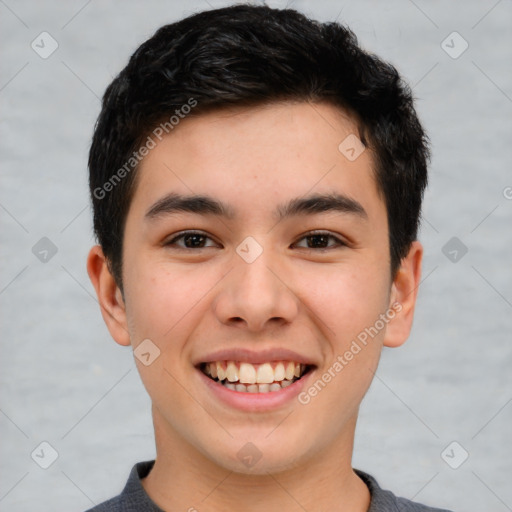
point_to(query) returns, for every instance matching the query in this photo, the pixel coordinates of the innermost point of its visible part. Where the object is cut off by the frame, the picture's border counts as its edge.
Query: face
(275, 273)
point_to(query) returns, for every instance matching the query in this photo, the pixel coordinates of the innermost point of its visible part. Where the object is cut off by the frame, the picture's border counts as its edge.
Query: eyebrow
(206, 205)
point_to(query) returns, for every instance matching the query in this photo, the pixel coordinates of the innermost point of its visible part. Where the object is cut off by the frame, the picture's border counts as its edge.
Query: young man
(257, 181)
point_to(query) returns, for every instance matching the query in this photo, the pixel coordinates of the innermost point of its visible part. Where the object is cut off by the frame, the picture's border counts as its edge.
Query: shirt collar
(135, 492)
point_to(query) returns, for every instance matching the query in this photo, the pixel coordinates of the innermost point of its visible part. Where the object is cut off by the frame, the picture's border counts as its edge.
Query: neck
(184, 479)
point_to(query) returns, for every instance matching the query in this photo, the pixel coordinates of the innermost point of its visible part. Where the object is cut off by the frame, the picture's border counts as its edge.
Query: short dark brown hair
(251, 55)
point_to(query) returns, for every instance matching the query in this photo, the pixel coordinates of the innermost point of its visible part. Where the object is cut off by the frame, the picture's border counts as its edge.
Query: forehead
(256, 157)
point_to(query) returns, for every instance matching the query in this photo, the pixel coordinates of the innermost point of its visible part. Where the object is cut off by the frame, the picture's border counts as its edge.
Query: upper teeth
(247, 373)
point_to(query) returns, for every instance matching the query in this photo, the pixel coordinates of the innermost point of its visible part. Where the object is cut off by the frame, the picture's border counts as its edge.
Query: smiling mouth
(255, 378)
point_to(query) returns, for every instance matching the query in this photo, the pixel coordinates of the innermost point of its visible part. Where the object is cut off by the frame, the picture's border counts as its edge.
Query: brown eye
(320, 240)
(191, 240)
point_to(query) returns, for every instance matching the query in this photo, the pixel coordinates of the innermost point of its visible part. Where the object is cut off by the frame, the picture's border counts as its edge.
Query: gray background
(63, 379)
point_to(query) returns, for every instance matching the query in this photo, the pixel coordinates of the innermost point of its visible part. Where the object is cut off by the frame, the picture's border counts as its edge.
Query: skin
(190, 302)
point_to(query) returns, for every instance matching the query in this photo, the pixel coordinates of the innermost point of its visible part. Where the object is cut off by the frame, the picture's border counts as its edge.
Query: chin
(256, 458)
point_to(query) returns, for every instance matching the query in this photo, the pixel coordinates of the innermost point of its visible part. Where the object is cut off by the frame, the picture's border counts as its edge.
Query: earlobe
(109, 296)
(404, 291)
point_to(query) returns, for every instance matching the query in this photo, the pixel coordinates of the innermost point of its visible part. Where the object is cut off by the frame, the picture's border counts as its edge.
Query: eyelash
(182, 235)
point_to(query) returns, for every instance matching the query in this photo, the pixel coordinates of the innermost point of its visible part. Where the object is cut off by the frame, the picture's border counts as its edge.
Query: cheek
(348, 307)
(161, 297)
(162, 306)
(347, 300)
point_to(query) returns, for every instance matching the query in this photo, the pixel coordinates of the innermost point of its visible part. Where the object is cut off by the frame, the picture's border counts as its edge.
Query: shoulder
(133, 498)
(112, 505)
(411, 506)
(386, 501)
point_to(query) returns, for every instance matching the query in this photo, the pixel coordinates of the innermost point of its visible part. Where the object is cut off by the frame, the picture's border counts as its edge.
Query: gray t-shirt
(134, 497)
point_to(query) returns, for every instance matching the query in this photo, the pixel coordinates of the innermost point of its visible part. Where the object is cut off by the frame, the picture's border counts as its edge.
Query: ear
(404, 290)
(109, 296)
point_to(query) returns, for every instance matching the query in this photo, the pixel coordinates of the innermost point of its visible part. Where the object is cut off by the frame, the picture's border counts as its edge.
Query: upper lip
(255, 357)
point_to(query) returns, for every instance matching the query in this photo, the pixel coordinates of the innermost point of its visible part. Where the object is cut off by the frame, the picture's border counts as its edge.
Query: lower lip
(246, 401)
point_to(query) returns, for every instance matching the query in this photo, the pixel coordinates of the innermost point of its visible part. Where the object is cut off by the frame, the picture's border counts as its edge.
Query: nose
(256, 296)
